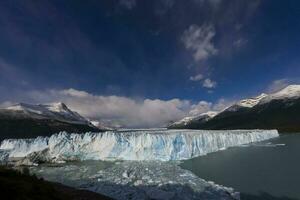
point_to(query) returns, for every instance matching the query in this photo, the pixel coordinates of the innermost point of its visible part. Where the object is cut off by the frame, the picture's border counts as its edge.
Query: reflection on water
(266, 170)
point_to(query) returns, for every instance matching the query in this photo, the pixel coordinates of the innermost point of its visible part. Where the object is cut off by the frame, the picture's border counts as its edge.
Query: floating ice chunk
(162, 180)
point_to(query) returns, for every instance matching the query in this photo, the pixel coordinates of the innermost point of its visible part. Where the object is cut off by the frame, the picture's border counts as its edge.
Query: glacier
(161, 145)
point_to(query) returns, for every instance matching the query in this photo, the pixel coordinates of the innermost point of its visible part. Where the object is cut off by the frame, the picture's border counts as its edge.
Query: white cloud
(222, 103)
(208, 83)
(117, 110)
(121, 111)
(278, 85)
(199, 41)
(75, 93)
(197, 77)
(201, 107)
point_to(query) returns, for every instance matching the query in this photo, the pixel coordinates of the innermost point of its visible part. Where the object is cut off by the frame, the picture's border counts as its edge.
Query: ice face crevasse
(161, 145)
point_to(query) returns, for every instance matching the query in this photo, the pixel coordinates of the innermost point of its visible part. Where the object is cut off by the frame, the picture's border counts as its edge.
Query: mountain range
(27, 120)
(279, 110)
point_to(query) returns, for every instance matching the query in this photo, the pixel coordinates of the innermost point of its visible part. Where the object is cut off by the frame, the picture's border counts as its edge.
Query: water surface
(137, 180)
(265, 170)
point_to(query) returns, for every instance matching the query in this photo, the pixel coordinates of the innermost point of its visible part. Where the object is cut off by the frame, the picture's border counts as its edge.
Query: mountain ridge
(277, 110)
(58, 111)
(24, 120)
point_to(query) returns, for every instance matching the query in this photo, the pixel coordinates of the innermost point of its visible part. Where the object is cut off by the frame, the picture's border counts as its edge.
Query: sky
(139, 63)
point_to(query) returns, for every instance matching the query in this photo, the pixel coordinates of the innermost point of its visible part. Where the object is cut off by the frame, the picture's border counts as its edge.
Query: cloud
(117, 110)
(240, 42)
(201, 107)
(208, 83)
(197, 77)
(199, 41)
(222, 103)
(278, 85)
(128, 4)
(120, 111)
(74, 93)
(6, 104)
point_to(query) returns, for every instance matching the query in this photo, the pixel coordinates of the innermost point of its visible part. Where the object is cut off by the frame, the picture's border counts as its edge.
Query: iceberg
(162, 145)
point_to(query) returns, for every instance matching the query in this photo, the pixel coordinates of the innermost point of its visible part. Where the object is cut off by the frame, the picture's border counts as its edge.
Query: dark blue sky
(148, 49)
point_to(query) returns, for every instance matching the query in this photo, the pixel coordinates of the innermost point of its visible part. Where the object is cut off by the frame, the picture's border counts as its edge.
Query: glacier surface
(163, 145)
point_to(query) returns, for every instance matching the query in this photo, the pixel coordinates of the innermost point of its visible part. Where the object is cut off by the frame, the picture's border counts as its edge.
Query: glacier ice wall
(161, 145)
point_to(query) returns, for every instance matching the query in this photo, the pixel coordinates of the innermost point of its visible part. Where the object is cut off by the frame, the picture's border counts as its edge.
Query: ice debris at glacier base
(135, 180)
(160, 145)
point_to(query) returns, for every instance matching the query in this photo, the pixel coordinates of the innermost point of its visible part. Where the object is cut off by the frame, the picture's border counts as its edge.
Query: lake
(265, 170)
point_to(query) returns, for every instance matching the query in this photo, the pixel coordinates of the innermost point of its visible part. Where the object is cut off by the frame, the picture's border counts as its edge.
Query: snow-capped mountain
(26, 120)
(203, 117)
(55, 111)
(289, 92)
(279, 110)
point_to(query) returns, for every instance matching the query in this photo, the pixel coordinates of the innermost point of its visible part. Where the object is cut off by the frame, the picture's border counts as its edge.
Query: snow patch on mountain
(246, 103)
(101, 125)
(289, 92)
(251, 102)
(205, 116)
